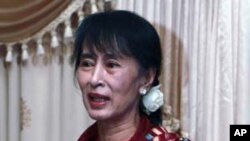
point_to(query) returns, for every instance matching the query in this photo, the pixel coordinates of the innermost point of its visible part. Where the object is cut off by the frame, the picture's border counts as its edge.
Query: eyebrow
(111, 55)
(88, 55)
(108, 55)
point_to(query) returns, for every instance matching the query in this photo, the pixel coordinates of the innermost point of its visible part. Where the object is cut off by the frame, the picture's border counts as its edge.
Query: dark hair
(122, 33)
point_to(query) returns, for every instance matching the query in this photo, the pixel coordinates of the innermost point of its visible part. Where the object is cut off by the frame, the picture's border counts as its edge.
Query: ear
(148, 78)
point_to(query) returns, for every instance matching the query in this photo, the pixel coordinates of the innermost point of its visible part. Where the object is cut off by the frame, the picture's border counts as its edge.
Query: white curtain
(39, 100)
(206, 69)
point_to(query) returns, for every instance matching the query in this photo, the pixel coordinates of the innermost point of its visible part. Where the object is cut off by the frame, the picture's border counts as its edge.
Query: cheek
(125, 84)
(125, 95)
(81, 78)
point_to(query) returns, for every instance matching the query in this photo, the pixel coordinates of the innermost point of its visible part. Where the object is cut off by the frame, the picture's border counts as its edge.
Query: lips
(97, 100)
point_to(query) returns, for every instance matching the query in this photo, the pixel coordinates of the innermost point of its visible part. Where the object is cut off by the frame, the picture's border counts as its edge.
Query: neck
(120, 129)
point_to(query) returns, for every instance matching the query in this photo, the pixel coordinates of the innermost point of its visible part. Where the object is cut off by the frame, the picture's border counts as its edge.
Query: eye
(112, 64)
(86, 63)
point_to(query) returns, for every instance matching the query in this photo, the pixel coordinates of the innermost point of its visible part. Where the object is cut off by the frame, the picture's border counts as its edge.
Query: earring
(142, 91)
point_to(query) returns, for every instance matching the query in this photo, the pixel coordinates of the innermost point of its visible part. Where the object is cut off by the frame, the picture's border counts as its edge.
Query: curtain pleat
(243, 65)
(3, 104)
(13, 116)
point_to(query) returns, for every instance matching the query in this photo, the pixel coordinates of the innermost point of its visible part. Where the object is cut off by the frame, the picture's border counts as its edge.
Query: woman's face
(109, 84)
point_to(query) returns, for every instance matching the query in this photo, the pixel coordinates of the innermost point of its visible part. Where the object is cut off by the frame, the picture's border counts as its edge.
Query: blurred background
(205, 78)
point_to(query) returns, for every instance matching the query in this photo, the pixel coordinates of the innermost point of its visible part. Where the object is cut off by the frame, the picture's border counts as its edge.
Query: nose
(97, 76)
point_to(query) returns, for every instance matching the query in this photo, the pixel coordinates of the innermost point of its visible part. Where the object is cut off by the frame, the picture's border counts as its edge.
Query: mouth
(97, 100)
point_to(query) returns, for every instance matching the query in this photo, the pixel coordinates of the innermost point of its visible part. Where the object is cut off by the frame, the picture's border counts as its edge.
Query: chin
(98, 115)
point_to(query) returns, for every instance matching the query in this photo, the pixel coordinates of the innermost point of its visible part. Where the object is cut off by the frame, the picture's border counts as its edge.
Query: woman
(117, 59)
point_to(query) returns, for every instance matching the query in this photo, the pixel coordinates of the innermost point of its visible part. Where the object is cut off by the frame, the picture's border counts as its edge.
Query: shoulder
(159, 133)
(89, 134)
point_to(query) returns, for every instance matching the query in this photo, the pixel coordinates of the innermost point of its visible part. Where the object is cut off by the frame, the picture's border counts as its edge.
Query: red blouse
(145, 132)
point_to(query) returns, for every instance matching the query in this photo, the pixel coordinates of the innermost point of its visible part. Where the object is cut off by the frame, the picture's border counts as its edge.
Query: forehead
(110, 44)
(95, 51)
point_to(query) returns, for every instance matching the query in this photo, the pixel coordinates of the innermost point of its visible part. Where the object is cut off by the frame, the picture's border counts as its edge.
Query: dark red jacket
(145, 132)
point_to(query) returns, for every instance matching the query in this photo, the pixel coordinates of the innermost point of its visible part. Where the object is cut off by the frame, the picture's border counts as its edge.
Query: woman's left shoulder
(159, 133)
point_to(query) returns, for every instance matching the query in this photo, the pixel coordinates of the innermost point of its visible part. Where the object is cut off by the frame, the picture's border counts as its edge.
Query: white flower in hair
(153, 100)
